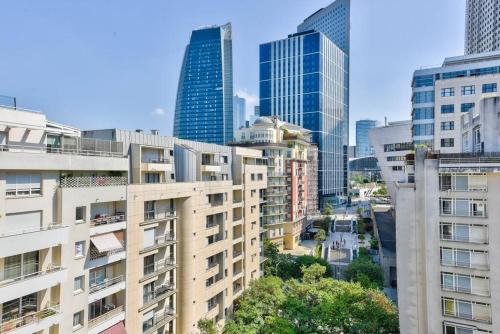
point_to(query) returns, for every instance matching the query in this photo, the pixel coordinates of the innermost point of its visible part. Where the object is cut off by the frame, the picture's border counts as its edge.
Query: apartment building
(62, 228)
(447, 233)
(112, 231)
(285, 147)
(193, 245)
(391, 144)
(441, 94)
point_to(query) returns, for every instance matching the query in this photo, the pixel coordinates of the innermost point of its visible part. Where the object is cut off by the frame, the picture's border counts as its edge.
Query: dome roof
(263, 121)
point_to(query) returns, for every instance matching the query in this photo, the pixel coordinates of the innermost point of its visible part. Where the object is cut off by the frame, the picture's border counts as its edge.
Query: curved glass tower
(204, 106)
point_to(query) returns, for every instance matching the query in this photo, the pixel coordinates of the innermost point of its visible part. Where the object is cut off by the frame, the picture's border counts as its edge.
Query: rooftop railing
(85, 148)
(92, 181)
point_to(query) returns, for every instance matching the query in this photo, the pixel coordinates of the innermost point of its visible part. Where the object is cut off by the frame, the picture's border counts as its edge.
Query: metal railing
(158, 215)
(85, 147)
(161, 240)
(161, 318)
(9, 325)
(158, 292)
(117, 218)
(237, 253)
(105, 316)
(12, 280)
(468, 316)
(467, 158)
(465, 264)
(467, 290)
(105, 284)
(51, 226)
(464, 239)
(158, 266)
(92, 181)
(156, 161)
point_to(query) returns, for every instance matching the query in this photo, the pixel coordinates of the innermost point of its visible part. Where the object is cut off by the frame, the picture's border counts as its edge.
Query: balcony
(92, 181)
(160, 241)
(237, 255)
(106, 320)
(158, 268)
(29, 283)
(101, 258)
(156, 165)
(467, 290)
(106, 288)
(468, 239)
(238, 273)
(33, 322)
(104, 224)
(27, 240)
(161, 319)
(210, 166)
(480, 313)
(151, 217)
(161, 292)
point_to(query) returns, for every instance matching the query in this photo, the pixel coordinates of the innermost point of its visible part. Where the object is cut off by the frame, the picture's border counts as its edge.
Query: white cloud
(251, 101)
(159, 112)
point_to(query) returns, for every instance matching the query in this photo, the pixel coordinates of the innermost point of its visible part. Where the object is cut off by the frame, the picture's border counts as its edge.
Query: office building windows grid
(468, 90)
(489, 88)
(447, 109)
(447, 92)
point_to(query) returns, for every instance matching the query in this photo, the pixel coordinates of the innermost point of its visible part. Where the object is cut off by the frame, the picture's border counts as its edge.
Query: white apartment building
(110, 231)
(447, 235)
(391, 144)
(482, 31)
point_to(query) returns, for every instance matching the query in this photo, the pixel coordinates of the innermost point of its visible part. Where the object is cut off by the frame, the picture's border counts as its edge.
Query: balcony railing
(159, 292)
(470, 239)
(468, 316)
(51, 226)
(85, 149)
(12, 280)
(92, 181)
(465, 264)
(159, 266)
(104, 220)
(467, 290)
(156, 161)
(159, 215)
(105, 284)
(105, 316)
(160, 319)
(237, 253)
(33, 318)
(161, 240)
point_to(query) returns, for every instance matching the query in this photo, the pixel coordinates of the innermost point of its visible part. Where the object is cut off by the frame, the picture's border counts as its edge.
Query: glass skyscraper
(363, 147)
(204, 106)
(333, 21)
(239, 109)
(304, 81)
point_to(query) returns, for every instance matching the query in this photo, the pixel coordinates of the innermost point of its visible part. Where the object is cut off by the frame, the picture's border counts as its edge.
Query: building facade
(285, 147)
(482, 32)
(239, 109)
(204, 106)
(304, 81)
(441, 94)
(334, 21)
(363, 146)
(116, 231)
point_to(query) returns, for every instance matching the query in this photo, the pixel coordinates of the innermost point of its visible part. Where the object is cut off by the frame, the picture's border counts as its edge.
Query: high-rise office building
(239, 112)
(111, 231)
(204, 106)
(304, 81)
(482, 31)
(333, 21)
(442, 94)
(363, 146)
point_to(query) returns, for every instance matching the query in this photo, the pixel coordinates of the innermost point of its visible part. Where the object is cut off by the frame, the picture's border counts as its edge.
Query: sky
(99, 64)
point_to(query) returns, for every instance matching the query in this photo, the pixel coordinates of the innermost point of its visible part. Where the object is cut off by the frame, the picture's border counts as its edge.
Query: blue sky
(99, 64)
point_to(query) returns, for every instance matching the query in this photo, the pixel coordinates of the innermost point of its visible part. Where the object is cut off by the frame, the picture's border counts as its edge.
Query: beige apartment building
(110, 231)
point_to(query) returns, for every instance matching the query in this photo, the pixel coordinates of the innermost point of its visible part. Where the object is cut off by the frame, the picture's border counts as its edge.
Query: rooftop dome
(263, 121)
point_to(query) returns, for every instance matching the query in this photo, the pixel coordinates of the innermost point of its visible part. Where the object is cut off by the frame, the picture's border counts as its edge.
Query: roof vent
(155, 132)
(138, 130)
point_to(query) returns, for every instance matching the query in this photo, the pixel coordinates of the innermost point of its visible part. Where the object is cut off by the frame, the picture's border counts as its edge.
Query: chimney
(155, 132)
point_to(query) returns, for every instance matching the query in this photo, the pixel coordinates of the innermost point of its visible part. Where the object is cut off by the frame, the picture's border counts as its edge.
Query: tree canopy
(365, 272)
(316, 305)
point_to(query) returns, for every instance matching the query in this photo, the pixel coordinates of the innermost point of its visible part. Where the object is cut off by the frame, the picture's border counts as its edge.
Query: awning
(106, 242)
(119, 328)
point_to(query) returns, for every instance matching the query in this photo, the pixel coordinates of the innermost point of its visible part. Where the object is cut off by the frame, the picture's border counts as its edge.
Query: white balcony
(157, 166)
(106, 320)
(106, 288)
(33, 322)
(216, 168)
(107, 224)
(23, 241)
(33, 282)
(161, 319)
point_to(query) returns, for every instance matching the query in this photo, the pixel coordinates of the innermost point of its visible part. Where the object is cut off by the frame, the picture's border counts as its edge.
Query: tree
(315, 305)
(287, 266)
(320, 236)
(362, 269)
(328, 209)
(312, 273)
(373, 243)
(206, 326)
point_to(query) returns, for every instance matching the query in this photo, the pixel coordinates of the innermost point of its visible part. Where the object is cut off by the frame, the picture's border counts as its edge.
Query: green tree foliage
(365, 272)
(373, 243)
(320, 236)
(316, 305)
(328, 209)
(313, 273)
(206, 326)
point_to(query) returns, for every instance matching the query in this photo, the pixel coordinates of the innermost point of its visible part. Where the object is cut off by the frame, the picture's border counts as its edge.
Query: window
(252, 177)
(423, 97)
(80, 249)
(148, 292)
(468, 90)
(149, 264)
(397, 168)
(447, 108)
(149, 238)
(446, 92)
(23, 185)
(396, 158)
(423, 81)
(452, 329)
(78, 284)
(147, 320)
(447, 142)
(152, 177)
(448, 125)
(423, 113)
(445, 206)
(260, 177)
(80, 214)
(465, 107)
(149, 210)
(490, 88)
(423, 129)
(78, 319)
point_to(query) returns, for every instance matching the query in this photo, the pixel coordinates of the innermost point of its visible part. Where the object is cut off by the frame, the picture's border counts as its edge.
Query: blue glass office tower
(204, 106)
(363, 147)
(333, 21)
(304, 81)
(239, 108)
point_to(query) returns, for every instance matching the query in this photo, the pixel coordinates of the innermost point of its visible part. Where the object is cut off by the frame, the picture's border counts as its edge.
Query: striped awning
(106, 242)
